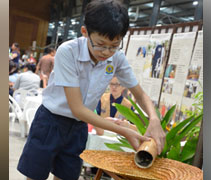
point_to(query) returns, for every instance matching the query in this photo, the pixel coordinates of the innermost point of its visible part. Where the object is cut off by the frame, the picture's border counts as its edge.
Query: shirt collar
(84, 52)
(83, 48)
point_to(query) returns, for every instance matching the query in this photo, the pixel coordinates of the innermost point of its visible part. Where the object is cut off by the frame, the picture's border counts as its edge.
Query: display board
(147, 55)
(155, 63)
(176, 72)
(164, 60)
(194, 80)
(124, 42)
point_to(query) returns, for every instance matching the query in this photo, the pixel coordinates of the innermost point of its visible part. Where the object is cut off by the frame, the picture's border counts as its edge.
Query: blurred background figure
(13, 75)
(15, 53)
(28, 80)
(105, 107)
(45, 66)
(31, 59)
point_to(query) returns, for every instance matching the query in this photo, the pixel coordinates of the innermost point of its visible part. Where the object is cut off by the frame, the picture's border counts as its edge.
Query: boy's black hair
(106, 17)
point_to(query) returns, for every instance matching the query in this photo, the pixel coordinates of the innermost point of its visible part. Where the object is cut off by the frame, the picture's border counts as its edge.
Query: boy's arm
(81, 112)
(99, 131)
(154, 129)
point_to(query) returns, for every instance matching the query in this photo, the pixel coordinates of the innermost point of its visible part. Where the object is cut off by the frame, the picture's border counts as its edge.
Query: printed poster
(194, 80)
(176, 72)
(154, 67)
(137, 54)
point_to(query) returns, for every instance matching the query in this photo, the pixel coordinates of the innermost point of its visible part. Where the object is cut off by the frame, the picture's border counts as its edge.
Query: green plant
(172, 148)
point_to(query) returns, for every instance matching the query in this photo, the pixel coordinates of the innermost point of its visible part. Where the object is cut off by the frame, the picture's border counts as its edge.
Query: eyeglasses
(115, 85)
(103, 48)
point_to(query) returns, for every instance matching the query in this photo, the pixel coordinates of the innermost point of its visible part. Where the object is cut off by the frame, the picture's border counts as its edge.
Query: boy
(83, 69)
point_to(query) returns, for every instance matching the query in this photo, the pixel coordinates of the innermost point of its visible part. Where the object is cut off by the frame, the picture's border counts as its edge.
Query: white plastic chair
(35, 92)
(12, 114)
(16, 111)
(30, 113)
(20, 96)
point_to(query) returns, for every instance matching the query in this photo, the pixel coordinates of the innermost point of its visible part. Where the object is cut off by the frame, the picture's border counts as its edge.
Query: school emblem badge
(109, 69)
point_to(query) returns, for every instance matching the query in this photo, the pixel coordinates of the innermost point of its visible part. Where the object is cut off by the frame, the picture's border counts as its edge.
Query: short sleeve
(124, 72)
(65, 72)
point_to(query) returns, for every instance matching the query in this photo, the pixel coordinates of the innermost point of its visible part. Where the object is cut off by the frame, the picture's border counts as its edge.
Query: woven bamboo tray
(122, 163)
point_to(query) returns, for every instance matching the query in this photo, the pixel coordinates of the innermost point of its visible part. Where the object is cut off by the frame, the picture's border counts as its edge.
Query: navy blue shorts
(53, 145)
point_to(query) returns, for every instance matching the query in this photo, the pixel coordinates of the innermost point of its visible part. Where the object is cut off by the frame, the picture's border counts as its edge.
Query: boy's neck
(93, 58)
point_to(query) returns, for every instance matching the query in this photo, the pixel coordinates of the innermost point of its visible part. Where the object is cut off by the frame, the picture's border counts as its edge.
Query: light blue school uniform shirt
(73, 67)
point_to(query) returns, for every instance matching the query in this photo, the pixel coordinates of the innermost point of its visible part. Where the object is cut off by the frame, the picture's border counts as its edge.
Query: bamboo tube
(146, 154)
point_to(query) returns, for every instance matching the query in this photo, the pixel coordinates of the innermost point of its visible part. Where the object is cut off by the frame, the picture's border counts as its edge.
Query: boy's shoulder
(73, 43)
(119, 56)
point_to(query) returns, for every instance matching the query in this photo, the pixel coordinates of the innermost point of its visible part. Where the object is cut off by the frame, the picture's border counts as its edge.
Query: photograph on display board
(184, 111)
(170, 71)
(137, 54)
(142, 51)
(154, 67)
(194, 72)
(190, 89)
(167, 86)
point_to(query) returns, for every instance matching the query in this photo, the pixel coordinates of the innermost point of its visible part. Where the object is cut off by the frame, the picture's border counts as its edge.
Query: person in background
(13, 75)
(15, 53)
(45, 66)
(28, 80)
(105, 108)
(31, 59)
(82, 71)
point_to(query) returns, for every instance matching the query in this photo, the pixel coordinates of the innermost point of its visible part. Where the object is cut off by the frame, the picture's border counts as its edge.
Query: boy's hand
(123, 123)
(134, 138)
(156, 132)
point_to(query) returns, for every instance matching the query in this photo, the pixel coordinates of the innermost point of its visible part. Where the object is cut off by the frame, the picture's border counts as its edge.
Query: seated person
(105, 107)
(28, 80)
(13, 75)
(109, 112)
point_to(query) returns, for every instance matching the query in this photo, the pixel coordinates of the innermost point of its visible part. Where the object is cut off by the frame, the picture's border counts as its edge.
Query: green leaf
(114, 146)
(189, 149)
(174, 152)
(194, 132)
(189, 161)
(131, 116)
(172, 133)
(125, 142)
(168, 117)
(189, 127)
(173, 138)
(158, 113)
(146, 121)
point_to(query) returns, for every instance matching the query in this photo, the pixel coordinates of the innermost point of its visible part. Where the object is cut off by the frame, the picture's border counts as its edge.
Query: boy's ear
(84, 31)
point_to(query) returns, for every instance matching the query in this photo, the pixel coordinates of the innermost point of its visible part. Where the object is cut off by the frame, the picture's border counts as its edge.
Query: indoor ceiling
(140, 12)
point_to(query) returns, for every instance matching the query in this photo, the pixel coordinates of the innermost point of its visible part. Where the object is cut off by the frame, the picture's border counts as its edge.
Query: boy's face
(101, 47)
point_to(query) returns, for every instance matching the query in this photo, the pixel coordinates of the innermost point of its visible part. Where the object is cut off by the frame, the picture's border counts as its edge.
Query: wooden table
(113, 175)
